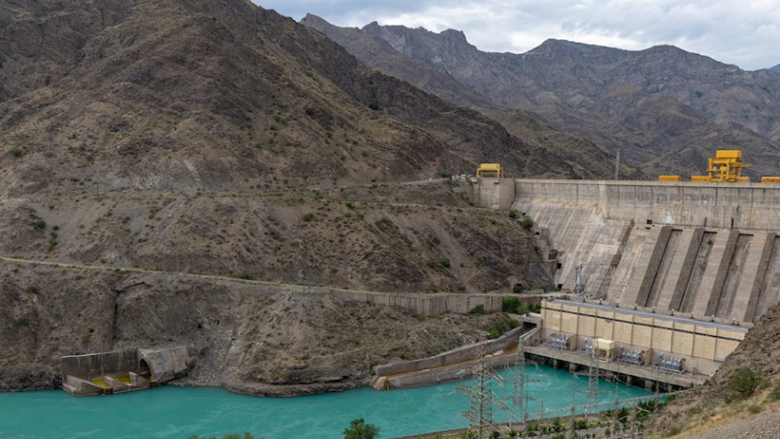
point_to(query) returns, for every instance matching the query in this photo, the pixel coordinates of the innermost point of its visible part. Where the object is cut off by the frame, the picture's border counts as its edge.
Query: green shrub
(512, 214)
(32, 288)
(479, 309)
(741, 385)
(445, 262)
(349, 205)
(39, 223)
(358, 429)
(510, 304)
(774, 395)
(308, 217)
(755, 409)
(527, 223)
(16, 152)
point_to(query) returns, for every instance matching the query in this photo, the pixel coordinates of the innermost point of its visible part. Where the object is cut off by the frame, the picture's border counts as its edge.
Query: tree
(358, 429)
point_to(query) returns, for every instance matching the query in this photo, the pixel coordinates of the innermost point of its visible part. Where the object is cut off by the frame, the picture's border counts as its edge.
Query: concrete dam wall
(697, 249)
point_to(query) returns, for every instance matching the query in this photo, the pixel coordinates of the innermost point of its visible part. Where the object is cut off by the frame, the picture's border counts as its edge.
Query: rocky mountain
(585, 158)
(164, 163)
(214, 95)
(776, 68)
(666, 109)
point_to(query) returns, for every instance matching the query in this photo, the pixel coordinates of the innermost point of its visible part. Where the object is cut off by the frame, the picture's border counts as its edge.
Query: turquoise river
(172, 412)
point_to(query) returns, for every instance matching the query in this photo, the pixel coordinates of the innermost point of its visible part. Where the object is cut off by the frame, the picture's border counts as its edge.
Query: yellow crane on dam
(725, 167)
(490, 170)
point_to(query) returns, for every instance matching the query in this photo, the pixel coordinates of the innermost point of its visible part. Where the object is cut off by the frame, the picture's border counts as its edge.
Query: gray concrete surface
(700, 248)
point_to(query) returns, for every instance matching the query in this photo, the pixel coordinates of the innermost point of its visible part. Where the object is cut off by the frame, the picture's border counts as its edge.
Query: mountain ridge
(590, 91)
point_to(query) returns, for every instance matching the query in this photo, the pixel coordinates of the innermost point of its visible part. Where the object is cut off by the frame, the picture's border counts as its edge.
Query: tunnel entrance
(144, 369)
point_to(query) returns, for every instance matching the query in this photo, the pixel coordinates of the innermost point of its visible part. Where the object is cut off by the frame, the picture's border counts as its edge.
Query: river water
(172, 412)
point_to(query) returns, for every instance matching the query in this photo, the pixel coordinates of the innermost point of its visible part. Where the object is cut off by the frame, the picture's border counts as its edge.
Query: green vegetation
(741, 385)
(527, 223)
(16, 152)
(358, 429)
(52, 241)
(32, 288)
(512, 214)
(22, 321)
(479, 309)
(774, 395)
(39, 223)
(349, 205)
(308, 217)
(502, 326)
(510, 304)
(445, 262)
(513, 305)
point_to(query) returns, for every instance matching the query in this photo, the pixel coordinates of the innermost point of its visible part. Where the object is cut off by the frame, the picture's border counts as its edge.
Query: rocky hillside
(177, 96)
(666, 109)
(709, 408)
(165, 165)
(251, 338)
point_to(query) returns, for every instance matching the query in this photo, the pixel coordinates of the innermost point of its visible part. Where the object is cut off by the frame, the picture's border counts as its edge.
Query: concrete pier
(680, 269)
(638, 289)
(753, 274)
(715, 274)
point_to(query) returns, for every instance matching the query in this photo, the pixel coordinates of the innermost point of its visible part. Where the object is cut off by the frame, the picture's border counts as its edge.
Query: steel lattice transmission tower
(518, 386)
(481, 398)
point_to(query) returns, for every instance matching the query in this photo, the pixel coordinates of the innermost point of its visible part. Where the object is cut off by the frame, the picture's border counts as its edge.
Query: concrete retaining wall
(422, 304)
(445, 374)
(432, 304)
(458, 355)
(93, 366)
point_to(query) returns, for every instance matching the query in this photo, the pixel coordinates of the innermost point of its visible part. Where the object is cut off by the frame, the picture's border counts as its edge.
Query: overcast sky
(745, 33)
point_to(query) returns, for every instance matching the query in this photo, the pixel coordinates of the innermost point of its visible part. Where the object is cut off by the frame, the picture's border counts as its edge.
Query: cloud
(743, 33)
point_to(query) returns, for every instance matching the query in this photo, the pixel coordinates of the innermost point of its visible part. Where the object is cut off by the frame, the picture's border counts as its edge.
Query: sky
(745, 33)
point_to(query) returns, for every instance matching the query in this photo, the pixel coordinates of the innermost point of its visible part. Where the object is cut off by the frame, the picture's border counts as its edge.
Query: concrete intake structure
(124, 371)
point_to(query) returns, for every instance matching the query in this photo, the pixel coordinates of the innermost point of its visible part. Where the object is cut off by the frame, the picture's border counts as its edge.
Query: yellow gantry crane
(490, 170)
(725, 167)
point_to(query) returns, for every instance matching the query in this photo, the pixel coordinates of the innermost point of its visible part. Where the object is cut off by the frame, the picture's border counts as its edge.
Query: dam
(673, 273)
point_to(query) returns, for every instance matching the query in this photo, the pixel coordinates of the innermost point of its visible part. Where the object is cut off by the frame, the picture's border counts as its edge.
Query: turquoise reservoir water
(172, 412)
